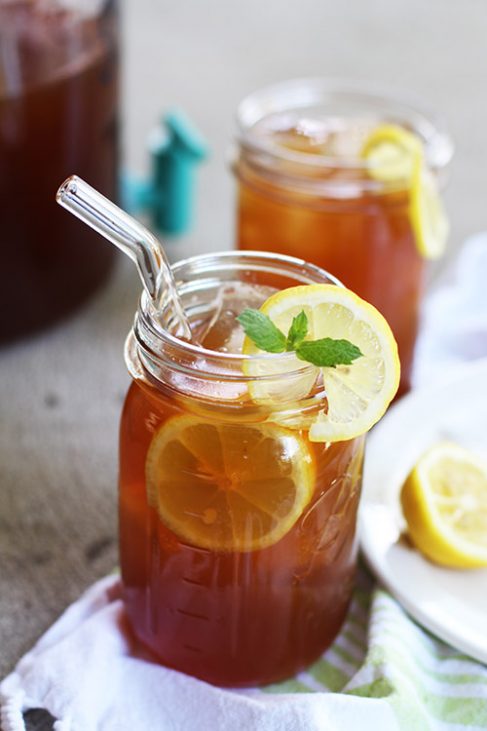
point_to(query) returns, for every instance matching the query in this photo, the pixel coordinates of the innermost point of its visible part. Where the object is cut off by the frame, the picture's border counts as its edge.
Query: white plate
(450, 603)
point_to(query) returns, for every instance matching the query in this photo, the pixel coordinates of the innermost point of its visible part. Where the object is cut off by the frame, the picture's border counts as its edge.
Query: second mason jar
(304, 189)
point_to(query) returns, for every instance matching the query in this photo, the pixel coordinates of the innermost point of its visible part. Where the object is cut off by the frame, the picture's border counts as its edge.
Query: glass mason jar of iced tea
(58, 114)
(304, 189)
(237, 534)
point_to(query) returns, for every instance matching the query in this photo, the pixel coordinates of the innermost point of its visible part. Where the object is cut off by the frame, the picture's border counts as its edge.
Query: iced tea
(237, 534)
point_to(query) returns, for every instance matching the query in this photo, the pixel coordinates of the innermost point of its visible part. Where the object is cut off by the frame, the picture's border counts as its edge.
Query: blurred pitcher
(58, 113)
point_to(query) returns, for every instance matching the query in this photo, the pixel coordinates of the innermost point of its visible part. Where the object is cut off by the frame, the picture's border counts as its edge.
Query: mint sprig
(324, 353)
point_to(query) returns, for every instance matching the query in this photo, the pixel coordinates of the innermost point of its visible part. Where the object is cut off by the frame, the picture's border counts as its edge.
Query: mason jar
(238, 536)
(305, 189)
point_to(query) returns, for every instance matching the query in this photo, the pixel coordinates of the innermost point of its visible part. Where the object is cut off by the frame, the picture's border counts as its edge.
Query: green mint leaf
(297, 331)
(327, 352)
(262, 331)
(324, 353)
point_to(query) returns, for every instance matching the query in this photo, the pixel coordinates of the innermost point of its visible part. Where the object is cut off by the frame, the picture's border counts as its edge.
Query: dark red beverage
(58, 116)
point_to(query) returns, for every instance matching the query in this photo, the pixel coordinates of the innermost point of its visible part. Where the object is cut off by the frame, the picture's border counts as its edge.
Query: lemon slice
(444, 501)
(358, 394)
(428, 217)
(230, 487)
(391, 153)
(394, 154)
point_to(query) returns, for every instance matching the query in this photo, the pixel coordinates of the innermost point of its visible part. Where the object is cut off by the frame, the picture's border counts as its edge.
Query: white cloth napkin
(454, 327)
(90, 673)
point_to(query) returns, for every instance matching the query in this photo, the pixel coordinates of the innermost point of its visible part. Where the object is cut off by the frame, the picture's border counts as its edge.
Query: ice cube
(223, 333)
(201, 386)
(315, 132)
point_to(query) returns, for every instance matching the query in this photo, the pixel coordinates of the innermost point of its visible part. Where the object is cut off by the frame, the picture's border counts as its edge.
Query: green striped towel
(382, 653)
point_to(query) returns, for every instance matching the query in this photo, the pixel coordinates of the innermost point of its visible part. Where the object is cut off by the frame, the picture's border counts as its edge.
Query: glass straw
(132, 238)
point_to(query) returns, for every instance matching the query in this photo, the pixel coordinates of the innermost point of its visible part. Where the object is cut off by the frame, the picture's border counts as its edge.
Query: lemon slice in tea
(230, 487)
(444, 500)
(358, 394)
(395, 154)
(428, 217)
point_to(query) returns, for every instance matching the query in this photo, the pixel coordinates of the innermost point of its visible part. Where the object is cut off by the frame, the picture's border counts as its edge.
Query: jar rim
(294, 94)
(155, 341)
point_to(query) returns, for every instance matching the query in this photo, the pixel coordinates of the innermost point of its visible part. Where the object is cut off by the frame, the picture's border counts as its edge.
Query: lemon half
(444, 500)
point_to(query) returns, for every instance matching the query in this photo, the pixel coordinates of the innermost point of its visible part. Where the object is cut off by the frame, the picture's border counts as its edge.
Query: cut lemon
(358, 394)
(444, 501)
(228, 487)
(428, 217)
(391, 152)
(394, 154)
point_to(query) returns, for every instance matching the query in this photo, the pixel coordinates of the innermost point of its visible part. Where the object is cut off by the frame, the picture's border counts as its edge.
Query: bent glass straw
(129, 236)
